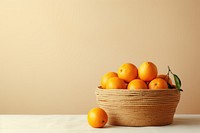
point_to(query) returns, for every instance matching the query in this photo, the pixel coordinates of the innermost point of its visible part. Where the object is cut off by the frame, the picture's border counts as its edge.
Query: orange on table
(147, 71)
(97, 117)
(166, 78)
(158, 83)
(137, 84)
(127, 72)
(105, 78)
(115, 83)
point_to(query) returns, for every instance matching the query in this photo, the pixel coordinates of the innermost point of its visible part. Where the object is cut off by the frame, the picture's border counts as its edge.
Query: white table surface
(78, 123)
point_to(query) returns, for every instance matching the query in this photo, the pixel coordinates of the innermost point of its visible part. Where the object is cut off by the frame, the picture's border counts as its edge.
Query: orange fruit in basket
(127, 72)
(115, 83)
(97, 117)
(166, 78)
(158, 83)
(137, 84)
(105, 78)
(147, 71)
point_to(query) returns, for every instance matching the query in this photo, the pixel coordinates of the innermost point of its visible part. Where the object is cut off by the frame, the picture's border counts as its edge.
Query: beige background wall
(54, 52)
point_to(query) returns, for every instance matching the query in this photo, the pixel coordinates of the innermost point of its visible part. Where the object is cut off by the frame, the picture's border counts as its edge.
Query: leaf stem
(169, 70)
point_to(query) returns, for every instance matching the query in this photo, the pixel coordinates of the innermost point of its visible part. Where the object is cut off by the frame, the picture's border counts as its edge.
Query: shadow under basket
(138, 107)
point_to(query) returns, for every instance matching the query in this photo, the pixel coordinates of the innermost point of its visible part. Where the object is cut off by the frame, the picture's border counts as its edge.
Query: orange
(127, 72)
(158, 83)
(137, 84)
(166, 78)
(115, 83)
(97, 117)
(147, 71)
(105, 78)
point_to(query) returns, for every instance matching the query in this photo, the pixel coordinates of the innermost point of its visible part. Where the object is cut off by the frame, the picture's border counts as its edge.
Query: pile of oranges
(133, 78)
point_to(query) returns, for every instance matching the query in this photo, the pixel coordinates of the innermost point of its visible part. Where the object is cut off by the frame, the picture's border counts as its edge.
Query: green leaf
(177, 82)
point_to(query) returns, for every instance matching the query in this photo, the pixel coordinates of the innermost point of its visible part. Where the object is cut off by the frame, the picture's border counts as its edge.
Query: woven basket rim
(138, 90)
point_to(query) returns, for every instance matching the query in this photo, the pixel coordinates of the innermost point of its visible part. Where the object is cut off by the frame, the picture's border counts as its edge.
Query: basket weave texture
(138, 107)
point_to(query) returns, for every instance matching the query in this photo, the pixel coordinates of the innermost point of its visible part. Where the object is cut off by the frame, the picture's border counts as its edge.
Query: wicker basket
(138, 107)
